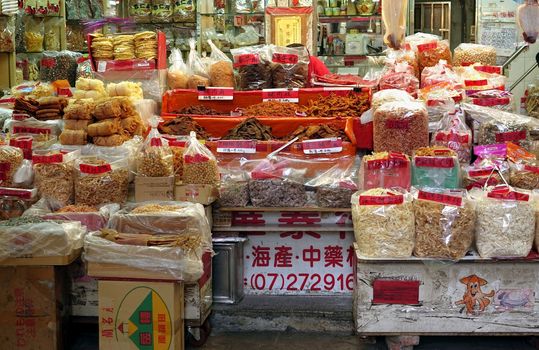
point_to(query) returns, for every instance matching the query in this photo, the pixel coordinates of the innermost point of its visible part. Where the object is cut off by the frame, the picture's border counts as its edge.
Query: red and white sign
(292, 219)
(281, 95)
(236, 146)
(322, 146)
(216, 94)
(302, 262)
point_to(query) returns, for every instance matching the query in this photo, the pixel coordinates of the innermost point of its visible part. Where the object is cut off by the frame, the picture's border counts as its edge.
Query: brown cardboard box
(33, 307)
(154, 188)
(198, 296)
(137, 315)
(203, 194)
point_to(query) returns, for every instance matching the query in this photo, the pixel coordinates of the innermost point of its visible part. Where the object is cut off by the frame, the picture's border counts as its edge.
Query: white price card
(322, 146)
(281, 95)
(101, 66)
(215, 94)
(236, 146)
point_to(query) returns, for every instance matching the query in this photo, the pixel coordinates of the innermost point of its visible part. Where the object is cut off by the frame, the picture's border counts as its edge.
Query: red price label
(434, 162)
(481, 82)
(246, 60)
(216, 94)
(285, 58)
(197, 158)
(236, 146)
(95, 169)
(282, 95)
(52, 158)
(381, 200)
(15, 192)
(489, 102)
(452, 137)
(531, 168)
(440, 198)
(19, 116)
(322, 146)
(30, 130)
(390, 163)
(509, 195)
(511, 136)
(428, 46)
(480, 173)
(5, 167)
(397, 124)
(22, 142)
(156, 142)
(489, 69)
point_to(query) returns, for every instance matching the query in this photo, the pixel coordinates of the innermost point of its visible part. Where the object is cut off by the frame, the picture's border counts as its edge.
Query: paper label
(101, 66)
(428, 46)
(397, 124)
(22, 142)
(489, 102)
(216, 94)
(531, 168)
(395, 292)
(15, 192)
(440, 198)
(489, 69)
(481, 82)
(281, 95)
(381, 200)
(390, 163)
(236, 146)
(246, 60)
(511, 136)
(434, 162)
(480, 173)
(285, 58)
(48, 159)
(197, 158)
(509, 195)
(452, 137)
(322, 146)
(19, 116)
(156, 142)
(95, 169)
(30, 130)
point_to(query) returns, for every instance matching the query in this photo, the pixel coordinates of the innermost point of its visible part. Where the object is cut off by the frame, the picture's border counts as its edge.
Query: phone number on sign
(301, 281)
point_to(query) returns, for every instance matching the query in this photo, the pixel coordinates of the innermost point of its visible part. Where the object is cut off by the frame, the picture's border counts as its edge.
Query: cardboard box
(203, 194)
(137, 315)
(33, 307)
(154, 188)
(198, 296)
(83, 291)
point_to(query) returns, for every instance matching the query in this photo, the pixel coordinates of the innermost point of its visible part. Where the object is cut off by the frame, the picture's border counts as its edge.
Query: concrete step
(256, 313)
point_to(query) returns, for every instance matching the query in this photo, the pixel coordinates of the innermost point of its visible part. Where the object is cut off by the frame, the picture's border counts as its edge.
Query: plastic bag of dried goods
(467, 54)
(399, 76)
(440, 73)
(178, 74)
(155, 158)
(525, 175)
(401, 127)
(455, 135)
(383, 223)
(385, 170)
(478, 78)
(405, 54)
(528, 20)
(101, 180)
(445, 223)
(11, 159)
(435, 167)
(430, 49)
(394, 14)
(495, 98)
(34, 237)
(254, 67)
(389, 95)
(220, 69)
(197, 68)
(505, 221)
(234, 187)
(290, 66)
(54, 176)
(199, 164)
(488, 171)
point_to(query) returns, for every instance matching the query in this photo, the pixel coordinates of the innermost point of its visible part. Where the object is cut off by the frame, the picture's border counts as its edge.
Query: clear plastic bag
(184, 264)
(234, 188)
(33, 33)
(385, 170)
(199, 73)
(401, 127)
(440, 73)
(383, 223)
(474, 79)
(467, 54)
(525, 175)
(498, 99)
(445, 223)
(394, 13)
(435, 167)
(140, 10)
(163, 218)
(528, 20)
(400, 76)
(406, 55)
(178, 74)
(290, 67)
(220, 69)
(60, 65)
(485, 172)
(155, 158)
(389, 95)
(7, 32)
(505, 222)
(100, 181)
(162, 11)
(430, 49)
(253, 66)
(37, 238)
(455, 135)
(11, 159)
(54, 176)
(199, 164)
(52, 34)
(185, 11)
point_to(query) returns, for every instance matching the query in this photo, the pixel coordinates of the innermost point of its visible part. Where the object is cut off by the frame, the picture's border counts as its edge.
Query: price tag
(381, 200)
(95, 169)
(285, 58)
(511, 136)
(509, 195)
(397, 123)
(489, 69)
(452, 137)
(489, 102)
(440, 198)
(531, 168)
(322, 146)
(30, 130)
(236, 146)
(480, 173)
(15, 192)
(52, 158)
(281, 95)
(469, 83)
(246, 60)
(428, 46)
(101, 66)
(215, 94)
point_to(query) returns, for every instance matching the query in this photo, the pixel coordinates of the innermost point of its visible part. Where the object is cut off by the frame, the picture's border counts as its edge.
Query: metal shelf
(340, 19)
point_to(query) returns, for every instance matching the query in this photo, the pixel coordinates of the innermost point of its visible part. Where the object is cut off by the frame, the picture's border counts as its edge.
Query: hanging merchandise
(177, 74)
(220, 68)
(528, 20)
(33, 33)
(394, 14)
(140, 10)
(199, 75)
(185, 11)
(52, 33)
(7, 32)
(162, 11)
